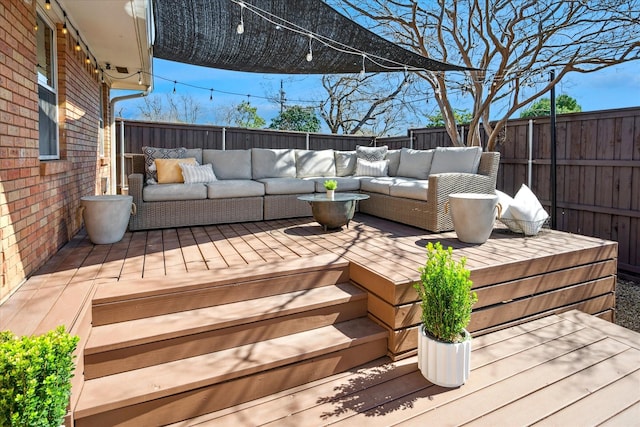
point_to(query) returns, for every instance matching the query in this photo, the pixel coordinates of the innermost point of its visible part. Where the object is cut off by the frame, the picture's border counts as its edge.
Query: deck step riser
(203, 400)
(211, 294)
(161, 351)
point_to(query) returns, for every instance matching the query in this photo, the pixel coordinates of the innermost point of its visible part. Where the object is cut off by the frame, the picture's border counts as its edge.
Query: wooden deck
(570, 369)
(520, 281)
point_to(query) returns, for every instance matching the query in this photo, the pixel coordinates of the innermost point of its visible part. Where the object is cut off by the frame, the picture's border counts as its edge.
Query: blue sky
(616, 87)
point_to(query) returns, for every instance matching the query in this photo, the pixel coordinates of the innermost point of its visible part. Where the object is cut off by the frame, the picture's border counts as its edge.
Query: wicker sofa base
(285, 206)
(406, 211)
(154, 215)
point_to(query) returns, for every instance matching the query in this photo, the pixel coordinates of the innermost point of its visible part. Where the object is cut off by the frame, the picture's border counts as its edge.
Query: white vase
(473, 215)
(444, 364)
(106, 217)
(330, 193)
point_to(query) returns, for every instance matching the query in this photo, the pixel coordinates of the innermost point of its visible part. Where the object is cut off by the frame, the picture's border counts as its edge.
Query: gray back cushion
(394, 161)
(311, 163)
(345, 163)
(456, 159)
(229, 164)
(415, 163)
(273, 163)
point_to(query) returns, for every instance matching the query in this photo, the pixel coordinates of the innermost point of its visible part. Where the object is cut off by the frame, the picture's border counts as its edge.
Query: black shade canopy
(277, 38)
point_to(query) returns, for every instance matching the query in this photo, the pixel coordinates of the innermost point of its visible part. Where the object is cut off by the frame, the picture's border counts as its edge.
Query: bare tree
(511, 45)
(178, 108)
(374, 103)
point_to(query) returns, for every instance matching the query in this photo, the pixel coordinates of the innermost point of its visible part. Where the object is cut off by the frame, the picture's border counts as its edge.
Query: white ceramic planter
(330, 194)
(444, 364)
(473, 215)
(106, 217)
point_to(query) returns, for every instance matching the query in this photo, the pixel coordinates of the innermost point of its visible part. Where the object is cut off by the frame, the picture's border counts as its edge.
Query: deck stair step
(142, 298)
(138, 343)
(181, 389)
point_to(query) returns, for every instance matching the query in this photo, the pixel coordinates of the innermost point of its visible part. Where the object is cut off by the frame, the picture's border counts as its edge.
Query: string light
(47, 4)
(240, 28)
(87, 60)
(64, 25)
(174, 86)
(211, 95)
(310, 54)
(363, 71)
(139, 78)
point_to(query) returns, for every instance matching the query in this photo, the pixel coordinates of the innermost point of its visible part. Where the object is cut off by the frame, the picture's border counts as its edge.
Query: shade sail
(276, 38)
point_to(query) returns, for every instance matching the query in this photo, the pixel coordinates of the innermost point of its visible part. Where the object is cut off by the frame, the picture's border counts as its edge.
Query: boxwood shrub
(35, 378)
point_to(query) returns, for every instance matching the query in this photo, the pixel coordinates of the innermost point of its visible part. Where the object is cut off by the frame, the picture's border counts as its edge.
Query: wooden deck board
(554, 365)
(542, 372)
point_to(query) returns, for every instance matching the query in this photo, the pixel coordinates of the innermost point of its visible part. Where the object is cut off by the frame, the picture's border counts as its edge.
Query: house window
(47, 91)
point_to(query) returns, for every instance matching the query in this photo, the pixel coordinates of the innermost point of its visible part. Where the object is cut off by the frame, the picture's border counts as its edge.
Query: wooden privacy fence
(598, 163)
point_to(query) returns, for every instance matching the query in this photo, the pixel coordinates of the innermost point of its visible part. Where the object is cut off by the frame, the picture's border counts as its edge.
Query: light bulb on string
(363, 71)
(47, 4)
(310, 54)
(64, 24)
(139, 78)
(174, 86)
(211, 95)
(240, 28)
(87, 60)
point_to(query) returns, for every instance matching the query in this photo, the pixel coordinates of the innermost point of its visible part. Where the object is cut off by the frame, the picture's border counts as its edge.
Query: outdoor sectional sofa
(406, 185)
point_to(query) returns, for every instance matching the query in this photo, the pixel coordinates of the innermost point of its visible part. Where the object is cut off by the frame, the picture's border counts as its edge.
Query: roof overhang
(119, 34)
(277, 36)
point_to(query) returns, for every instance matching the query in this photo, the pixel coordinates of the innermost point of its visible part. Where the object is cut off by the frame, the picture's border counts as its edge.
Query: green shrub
(331, 184)
(35, 378)
(445, 291)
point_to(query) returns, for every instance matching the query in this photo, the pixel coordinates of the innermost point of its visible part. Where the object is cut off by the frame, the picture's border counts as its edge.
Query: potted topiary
(35, 380)
(330, 185)
(444, 345)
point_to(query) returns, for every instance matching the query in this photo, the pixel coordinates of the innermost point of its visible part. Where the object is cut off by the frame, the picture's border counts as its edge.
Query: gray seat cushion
(231, 188)
(287, 185)
(166, 192)
(410, 189)
(378, 184)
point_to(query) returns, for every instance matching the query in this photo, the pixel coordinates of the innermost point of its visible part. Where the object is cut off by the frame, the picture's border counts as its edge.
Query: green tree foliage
(445, 291)
(542, 107)
(296, 118)
(463, 117)
(247, 116)
(35, 378)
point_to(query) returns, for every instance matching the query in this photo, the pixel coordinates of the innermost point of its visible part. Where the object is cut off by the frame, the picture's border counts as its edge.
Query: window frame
(52, 88)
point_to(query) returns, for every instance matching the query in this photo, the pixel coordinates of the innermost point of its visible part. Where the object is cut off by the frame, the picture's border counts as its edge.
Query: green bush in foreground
(445, 291)
(35, 378)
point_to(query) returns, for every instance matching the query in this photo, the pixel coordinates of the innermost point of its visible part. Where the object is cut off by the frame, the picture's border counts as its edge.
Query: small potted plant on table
(330, 185)
(444, 345)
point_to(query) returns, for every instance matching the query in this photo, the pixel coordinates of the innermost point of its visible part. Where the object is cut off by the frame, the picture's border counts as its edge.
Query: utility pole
(282, 97)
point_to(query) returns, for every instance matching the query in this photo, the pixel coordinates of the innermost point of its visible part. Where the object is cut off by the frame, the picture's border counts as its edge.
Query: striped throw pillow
(194, 174)
(367, 168)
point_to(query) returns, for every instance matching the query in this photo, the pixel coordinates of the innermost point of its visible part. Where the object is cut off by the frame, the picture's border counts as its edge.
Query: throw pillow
(527, 207)
(415, 163)
(456, 160)
(169, 171)
(194, 174)
(367, 168)
(345, 163)
(152, 153)
(372, 154)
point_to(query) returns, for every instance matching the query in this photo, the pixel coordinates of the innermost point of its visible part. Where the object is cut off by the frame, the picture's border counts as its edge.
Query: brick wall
(39, 199)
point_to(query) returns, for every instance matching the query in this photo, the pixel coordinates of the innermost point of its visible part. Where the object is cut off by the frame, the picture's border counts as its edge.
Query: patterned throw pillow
(150, 156)
(367, 168)
(372, 154)
(194, 174)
